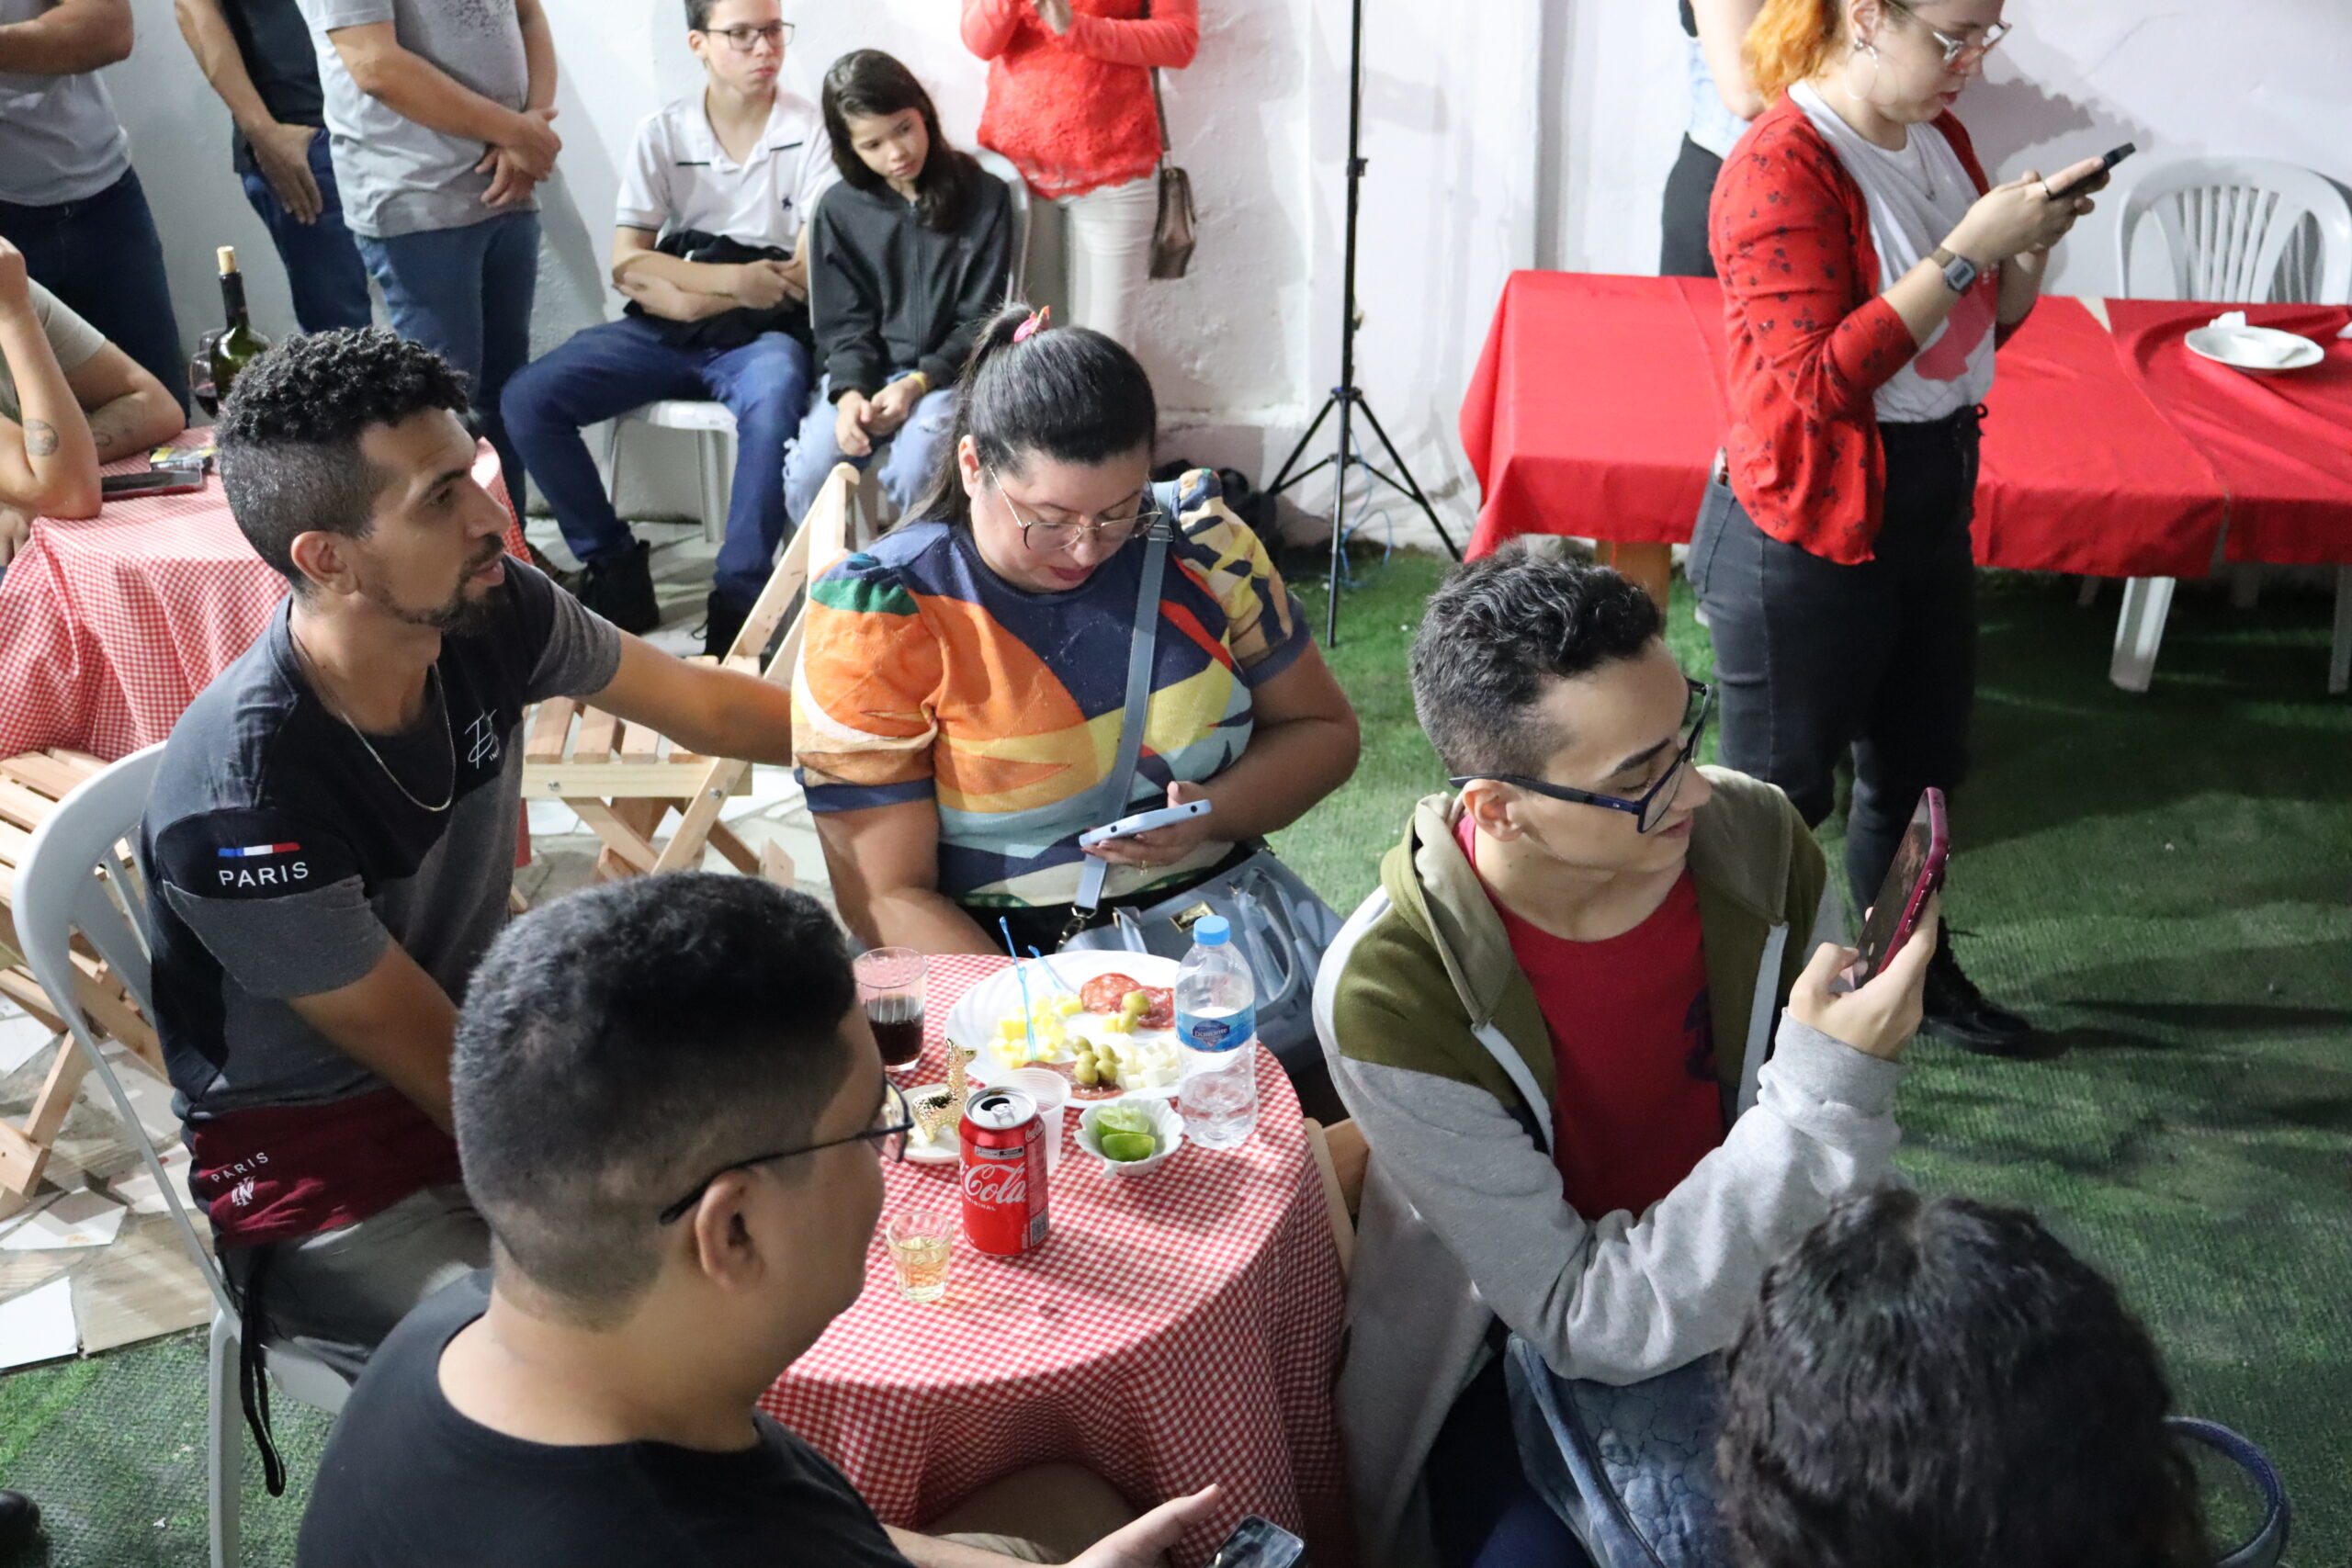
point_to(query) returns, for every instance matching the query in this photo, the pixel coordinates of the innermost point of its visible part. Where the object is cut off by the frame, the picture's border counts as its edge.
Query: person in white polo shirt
(713, 206)
(68, 198)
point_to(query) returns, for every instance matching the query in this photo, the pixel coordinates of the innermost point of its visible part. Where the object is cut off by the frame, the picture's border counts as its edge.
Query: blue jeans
(604, 371)
(322, 266)
(102, 257)
(907, 459)
(466, 294)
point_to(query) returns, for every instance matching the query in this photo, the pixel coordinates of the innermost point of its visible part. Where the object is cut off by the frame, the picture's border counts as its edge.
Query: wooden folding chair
(625, 780)
(30, 787)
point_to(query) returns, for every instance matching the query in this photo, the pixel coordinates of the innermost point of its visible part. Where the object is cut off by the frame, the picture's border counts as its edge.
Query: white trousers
(1107, 234)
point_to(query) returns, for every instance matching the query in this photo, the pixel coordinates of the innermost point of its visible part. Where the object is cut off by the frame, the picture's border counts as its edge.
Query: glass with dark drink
(890, 986)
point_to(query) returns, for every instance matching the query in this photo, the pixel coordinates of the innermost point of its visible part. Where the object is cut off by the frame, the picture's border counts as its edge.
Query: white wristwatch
(1960, 272)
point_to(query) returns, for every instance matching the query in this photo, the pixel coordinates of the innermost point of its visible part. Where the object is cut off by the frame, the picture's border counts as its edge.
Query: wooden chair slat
(54, 777)
(598, 731)
(550, 727)
(641, 743)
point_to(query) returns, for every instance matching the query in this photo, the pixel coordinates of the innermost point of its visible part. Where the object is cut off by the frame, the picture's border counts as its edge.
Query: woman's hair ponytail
(1789, 40)
(1067, 393)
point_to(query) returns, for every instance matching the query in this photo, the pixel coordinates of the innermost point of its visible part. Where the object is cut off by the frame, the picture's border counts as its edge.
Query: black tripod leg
(1284, 477)
(1410, 486)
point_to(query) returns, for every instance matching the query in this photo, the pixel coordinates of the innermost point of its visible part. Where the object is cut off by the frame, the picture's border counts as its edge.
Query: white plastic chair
(2235, 230)
(714, 431)
(76, 877)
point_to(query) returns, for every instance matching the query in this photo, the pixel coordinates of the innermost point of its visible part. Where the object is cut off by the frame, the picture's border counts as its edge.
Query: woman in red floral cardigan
(1869, 271)
(1069, 102)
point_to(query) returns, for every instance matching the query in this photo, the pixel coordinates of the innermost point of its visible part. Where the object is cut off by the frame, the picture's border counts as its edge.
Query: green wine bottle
(238, 344)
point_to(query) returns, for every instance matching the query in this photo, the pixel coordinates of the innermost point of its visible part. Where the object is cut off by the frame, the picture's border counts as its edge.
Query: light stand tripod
(1347, 397)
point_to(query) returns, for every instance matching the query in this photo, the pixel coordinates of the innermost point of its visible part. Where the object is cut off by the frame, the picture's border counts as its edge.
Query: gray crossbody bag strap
(1122, 782)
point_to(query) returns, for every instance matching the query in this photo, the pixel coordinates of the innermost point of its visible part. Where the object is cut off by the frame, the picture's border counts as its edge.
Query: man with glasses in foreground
(710, 248)
(1553, 1021)
(670, 1108)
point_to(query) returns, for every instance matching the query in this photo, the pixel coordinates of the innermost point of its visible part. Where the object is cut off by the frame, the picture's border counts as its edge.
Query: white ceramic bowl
(1167, 1123)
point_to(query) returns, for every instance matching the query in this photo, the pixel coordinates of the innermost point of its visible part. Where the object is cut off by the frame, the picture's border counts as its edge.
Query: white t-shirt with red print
(1917, 197)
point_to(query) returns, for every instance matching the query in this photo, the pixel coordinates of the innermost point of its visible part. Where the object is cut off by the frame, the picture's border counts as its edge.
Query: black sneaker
(20, 1522)
(620, 589)
(1959, 1014)
(723, 621)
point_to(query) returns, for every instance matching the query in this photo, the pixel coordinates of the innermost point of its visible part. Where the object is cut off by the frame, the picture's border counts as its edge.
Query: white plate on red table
(2257, 351)
(974, 1022)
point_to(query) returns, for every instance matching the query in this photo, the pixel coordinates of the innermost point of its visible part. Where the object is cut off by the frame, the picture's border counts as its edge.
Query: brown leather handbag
(1172, 233)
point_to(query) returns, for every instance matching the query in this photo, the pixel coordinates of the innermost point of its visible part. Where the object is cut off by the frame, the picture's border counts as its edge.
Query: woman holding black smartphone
(1869, 271)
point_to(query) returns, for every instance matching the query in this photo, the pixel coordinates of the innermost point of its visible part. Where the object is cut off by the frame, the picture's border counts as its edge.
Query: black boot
(19, 1521)
(723, 619)
(1959, 1014)
(620, 589)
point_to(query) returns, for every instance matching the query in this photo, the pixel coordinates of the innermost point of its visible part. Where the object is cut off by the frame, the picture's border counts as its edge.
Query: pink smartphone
(1913, 877)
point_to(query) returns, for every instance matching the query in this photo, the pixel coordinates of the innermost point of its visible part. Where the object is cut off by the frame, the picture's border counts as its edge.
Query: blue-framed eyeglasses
(1650, 809)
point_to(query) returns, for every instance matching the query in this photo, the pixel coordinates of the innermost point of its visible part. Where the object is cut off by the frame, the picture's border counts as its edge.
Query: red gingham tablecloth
(1177, 1328)
(110, 624)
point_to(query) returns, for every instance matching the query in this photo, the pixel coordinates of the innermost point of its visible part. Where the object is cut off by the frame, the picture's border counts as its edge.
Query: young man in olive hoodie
(1551, 1023)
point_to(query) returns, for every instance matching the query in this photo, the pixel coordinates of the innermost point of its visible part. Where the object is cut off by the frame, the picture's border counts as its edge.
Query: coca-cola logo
(1000, 1186)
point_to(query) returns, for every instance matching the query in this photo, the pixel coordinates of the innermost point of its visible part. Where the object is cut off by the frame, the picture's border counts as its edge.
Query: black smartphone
(1912, 879)
(2105, 167)
(1260, 1543)
(150, 481)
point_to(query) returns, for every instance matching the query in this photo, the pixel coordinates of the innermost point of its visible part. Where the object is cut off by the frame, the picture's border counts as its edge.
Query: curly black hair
(288, 435)
(1944, 1382)
(1495, 631)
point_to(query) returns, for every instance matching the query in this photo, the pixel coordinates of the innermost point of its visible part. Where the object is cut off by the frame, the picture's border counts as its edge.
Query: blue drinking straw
(1020, 973)
(1053, 974)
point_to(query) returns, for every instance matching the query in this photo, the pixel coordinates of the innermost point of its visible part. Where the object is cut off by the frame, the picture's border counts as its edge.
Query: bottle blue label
(1226, 1033)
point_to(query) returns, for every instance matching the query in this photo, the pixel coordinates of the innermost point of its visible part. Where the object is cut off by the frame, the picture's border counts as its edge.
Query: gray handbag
(1278, 923)
(1173, 231)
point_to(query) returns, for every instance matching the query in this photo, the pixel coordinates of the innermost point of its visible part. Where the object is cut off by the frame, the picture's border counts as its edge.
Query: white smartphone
(1144, 822)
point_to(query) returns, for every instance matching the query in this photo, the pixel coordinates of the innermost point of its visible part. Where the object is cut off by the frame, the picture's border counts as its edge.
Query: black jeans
(102, 257)
(1812, 656)
(1682, 246)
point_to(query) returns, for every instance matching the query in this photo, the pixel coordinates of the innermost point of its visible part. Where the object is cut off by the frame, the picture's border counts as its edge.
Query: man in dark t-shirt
(258, 56)
(671, 1108)
(330, 840)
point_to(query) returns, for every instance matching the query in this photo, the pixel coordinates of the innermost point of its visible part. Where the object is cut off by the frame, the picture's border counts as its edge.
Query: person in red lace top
(1869, 271)
(1070, 103)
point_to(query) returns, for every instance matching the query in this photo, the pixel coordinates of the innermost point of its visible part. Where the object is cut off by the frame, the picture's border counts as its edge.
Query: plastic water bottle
(1217, 1022)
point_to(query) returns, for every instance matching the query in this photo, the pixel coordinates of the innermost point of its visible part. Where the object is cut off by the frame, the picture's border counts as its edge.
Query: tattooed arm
(47, 461)
(128, 409)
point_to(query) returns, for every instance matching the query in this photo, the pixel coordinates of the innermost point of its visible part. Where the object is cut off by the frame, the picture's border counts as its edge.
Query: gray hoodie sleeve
(1632, 1296)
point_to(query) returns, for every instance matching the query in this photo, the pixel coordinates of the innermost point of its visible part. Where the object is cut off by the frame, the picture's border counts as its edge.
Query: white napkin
(2257, 345)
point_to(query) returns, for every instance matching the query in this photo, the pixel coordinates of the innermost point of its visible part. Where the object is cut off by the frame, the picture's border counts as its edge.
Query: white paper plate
(972, 1021)
(2243, 348)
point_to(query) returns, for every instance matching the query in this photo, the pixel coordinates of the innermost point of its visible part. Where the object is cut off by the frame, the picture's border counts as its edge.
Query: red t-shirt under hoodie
(1632, 1042)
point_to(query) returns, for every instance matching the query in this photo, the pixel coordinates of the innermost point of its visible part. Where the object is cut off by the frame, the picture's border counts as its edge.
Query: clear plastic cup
(920, 1241)
(1050, 1091)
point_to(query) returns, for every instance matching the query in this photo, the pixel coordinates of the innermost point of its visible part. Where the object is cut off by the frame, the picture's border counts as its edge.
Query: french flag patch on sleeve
(251, 850)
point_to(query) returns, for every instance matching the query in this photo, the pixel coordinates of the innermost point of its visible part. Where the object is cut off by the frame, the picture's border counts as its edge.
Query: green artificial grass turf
(2162, 880)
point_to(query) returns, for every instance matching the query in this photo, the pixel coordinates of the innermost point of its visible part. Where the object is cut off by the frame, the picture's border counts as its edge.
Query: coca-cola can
(1004, 1173)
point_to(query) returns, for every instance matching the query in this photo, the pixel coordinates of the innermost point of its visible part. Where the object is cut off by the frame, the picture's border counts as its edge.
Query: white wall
(2261, 78)
(1506, 134)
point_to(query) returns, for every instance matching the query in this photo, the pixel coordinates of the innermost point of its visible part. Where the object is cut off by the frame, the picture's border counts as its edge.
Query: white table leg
(2139, 631)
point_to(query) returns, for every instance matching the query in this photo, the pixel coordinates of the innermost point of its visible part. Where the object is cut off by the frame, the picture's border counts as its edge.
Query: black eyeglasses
(1652, 807)
(892, 1120)
(742, 39)
(1051, 538)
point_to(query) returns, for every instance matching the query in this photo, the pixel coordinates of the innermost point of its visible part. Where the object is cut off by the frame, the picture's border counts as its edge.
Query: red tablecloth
(1599, 400)
(110, 624)
(2281, 445)
(1177, 1328)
